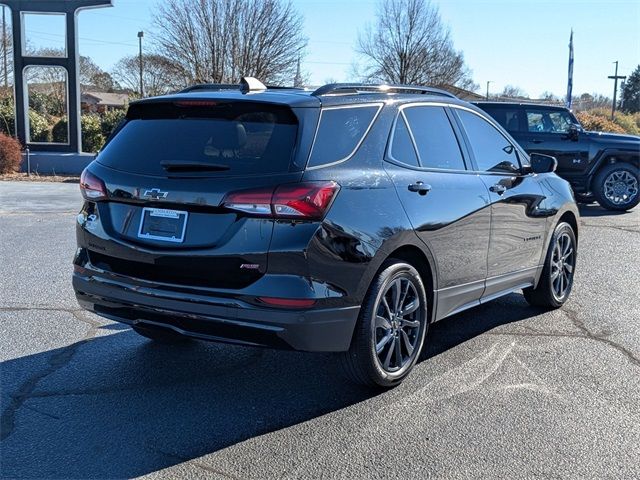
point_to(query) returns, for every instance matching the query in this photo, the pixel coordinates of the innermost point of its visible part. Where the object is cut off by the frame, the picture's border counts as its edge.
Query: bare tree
(408, 43)
(89, 72)
(92, 75)
(159, 74)
(6, 58)
(221, 41)
(511, 91)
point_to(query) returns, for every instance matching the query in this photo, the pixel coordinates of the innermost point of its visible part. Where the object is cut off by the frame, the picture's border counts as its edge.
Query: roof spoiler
(247, 85)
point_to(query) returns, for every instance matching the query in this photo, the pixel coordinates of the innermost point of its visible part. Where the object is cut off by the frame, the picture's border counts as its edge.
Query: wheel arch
(421, 260)
(611, 156)
(571, 219)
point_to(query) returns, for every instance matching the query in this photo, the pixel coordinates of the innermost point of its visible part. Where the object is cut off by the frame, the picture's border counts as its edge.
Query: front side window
(492, 151)
(436, 142)
(340, 133)
(545, 121)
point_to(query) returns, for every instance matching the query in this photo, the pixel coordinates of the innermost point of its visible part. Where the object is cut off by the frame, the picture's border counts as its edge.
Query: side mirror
(574, 132)
(543, 163)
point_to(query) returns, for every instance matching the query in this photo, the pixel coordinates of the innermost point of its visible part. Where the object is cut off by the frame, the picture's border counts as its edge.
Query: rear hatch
(168, 171)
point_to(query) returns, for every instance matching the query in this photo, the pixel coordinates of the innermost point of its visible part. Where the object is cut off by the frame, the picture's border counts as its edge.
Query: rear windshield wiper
(192, 166)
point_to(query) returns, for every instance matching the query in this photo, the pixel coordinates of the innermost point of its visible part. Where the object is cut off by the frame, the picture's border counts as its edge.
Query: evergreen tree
(631, 92)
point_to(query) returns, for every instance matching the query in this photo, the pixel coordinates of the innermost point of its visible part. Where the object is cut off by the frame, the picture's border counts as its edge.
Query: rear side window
(492, 151)
(508, 118)
(340, 133)
(435, 140)
(220, 138)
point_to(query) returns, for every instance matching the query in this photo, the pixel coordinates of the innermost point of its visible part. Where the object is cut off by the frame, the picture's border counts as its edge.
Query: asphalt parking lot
(507, 391)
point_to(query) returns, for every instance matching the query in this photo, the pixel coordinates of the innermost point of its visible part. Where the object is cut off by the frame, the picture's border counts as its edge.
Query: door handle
(537, 141)
(498, 188)
(420, 188)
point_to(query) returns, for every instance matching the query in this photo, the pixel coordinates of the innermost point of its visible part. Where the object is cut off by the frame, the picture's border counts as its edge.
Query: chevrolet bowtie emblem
(155, 193)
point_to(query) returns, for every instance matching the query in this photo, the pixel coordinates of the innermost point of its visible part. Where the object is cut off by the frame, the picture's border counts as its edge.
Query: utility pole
(615, 77)
(488, 82)
(4, 49)
(140, 36)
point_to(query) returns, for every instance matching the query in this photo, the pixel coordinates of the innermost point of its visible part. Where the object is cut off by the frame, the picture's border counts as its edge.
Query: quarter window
(436, 142)
(401, 144)
(340, 132)
(492, 151)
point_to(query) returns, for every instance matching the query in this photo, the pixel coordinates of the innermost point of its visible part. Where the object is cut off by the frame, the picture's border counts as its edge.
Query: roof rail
(349, 88)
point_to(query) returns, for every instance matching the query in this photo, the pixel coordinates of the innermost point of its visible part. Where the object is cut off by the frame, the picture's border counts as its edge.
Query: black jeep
(599, 166)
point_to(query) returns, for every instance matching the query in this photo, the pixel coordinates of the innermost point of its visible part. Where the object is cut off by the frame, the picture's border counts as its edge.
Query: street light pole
(488, 82)
(140, 36)
(4, 48)
(615, 77)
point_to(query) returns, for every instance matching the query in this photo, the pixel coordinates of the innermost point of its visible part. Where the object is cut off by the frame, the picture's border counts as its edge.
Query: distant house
(100, 102)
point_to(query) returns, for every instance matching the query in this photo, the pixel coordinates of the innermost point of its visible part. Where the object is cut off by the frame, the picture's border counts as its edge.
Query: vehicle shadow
(121, 406)
(595, 210)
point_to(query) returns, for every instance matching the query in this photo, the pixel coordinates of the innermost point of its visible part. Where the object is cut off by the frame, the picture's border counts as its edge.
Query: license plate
(163, 224)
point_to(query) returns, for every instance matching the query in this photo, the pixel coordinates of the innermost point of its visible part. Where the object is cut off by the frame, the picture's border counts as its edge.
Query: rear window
(219, 138)
(340, 133)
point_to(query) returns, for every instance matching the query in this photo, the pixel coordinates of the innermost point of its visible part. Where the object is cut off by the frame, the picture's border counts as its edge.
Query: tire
(615, 186)
(553, 288)
(584, 198)
(159, 334)
(394, 335)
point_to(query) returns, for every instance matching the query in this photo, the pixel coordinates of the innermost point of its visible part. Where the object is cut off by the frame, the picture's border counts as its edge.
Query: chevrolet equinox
(345, 219)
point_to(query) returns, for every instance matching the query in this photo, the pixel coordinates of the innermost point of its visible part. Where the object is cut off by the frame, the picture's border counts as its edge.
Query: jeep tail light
(92, 187)
(304, 201)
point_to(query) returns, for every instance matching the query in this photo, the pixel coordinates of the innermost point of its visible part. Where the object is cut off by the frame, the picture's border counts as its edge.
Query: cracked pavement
(505, 390)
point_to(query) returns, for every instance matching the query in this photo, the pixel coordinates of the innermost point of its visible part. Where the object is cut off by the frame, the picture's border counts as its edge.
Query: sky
(519, 42)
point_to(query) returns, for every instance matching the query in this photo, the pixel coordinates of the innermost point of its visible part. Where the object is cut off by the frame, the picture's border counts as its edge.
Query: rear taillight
(303, 201)
(92, 187)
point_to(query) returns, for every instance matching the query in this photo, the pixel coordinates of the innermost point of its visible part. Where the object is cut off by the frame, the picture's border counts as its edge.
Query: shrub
(627, 122)
(110, 120)
(10, 154)
(597, 123)
(601, 118)
(39, 128)
(7, 119)
(60, 132)
(92, 137)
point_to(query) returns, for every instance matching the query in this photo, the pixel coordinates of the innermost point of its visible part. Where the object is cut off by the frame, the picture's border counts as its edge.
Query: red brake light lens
(92, 187)
(195, 103)
(304, 201)
(288, 302)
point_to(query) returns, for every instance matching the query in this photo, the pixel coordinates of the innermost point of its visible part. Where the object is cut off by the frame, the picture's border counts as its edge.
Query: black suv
(599, 166)
(344, 220)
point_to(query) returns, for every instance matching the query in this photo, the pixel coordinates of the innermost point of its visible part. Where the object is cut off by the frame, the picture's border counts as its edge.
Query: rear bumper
(222, 319)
